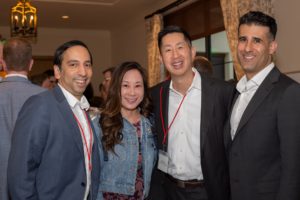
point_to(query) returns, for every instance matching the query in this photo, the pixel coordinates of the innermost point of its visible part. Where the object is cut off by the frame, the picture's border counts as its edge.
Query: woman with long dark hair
(128, 145)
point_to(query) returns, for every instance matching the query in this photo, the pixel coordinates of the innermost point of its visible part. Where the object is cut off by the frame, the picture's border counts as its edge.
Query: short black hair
(58, 55)
(49, 72)
(173, 29)
(259, 18)
(38, 79)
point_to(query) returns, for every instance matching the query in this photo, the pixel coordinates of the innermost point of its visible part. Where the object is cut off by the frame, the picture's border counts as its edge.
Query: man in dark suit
(54, 152)
(15, 89)
(190, 111)
(264, 128)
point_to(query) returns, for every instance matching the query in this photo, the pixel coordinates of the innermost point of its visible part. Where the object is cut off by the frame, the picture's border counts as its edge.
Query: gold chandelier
(23, 20)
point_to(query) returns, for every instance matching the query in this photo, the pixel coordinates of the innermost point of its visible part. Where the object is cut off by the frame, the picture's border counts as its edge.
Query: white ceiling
(85, 14)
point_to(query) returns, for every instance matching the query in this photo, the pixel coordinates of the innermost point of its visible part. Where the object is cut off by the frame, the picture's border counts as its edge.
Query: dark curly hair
(111, 120)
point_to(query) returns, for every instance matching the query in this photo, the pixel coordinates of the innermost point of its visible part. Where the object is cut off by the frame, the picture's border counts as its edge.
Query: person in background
(128, 150)
(263, 132)
(190, 111)
(89, 92)
(102, 94)
(41, 80)
(54, 153)
(94, 101)
(45, 79)
(52, 80)
(15, 89)
(2, 73)
(107, 75)
(203, 65)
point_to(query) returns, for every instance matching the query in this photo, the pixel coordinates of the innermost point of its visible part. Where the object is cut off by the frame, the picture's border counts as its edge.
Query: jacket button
(83, 184)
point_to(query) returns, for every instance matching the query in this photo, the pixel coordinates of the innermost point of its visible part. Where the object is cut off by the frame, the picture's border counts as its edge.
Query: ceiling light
(65, 17)
(23, 20)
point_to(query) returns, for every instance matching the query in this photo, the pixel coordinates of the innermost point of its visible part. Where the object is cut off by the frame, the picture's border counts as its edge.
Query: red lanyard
(162, 118)
(88, 149)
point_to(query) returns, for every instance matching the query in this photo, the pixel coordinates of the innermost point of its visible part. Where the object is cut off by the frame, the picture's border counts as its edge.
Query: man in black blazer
(54, 153)
(190, 111)
(263, 133)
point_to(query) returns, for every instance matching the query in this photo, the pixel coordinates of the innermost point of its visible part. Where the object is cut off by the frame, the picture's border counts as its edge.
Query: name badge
(163, 161)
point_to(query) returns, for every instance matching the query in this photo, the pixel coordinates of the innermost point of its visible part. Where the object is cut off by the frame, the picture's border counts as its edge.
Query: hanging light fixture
(23, 20)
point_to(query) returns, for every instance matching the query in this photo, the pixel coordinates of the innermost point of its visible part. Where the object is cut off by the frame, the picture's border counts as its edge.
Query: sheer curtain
(232, 11)
(155, 70)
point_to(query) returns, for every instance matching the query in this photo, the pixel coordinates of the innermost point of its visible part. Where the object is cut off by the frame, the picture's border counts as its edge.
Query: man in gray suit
(15, 89)
(54, 153)
(264, 128)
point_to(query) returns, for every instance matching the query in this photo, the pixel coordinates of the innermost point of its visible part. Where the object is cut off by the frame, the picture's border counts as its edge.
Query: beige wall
(99, 43)
(129, 43)
(110, 47)
(129, 39)
(288, 18)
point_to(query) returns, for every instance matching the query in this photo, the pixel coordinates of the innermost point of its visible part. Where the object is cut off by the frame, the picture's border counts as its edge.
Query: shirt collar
(195, 84)
(245, 85)
(14, 75)
(196, 81)
(73, 101)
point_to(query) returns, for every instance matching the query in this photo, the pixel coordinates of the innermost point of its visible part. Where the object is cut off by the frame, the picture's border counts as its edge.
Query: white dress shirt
(79, 109)
(247, 89)
(184, 134)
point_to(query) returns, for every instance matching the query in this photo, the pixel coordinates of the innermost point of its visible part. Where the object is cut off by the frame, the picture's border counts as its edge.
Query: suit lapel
(164, 108)
(68, 115)
(261, 93)
(227, 128)
(207, 94)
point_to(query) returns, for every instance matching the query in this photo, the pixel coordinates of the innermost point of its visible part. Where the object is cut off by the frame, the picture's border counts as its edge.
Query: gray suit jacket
(264, 156)
(14, 91)
(47, 156)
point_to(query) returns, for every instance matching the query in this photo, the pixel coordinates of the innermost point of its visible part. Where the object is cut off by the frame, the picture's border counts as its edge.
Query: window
(203, 20)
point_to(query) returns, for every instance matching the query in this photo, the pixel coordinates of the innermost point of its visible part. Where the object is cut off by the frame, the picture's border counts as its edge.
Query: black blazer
(264, 156)
(216, 96)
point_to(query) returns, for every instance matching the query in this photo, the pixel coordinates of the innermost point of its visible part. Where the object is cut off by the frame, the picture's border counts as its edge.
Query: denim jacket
(118, 170)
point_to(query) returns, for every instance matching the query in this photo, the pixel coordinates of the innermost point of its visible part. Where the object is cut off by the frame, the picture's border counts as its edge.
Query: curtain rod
(166, 8)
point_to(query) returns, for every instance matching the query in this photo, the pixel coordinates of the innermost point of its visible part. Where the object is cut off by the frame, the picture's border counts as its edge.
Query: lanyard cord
(162, 119)
(88, 149)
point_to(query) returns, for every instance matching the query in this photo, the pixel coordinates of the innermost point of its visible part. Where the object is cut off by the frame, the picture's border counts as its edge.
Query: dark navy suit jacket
(47, 156)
